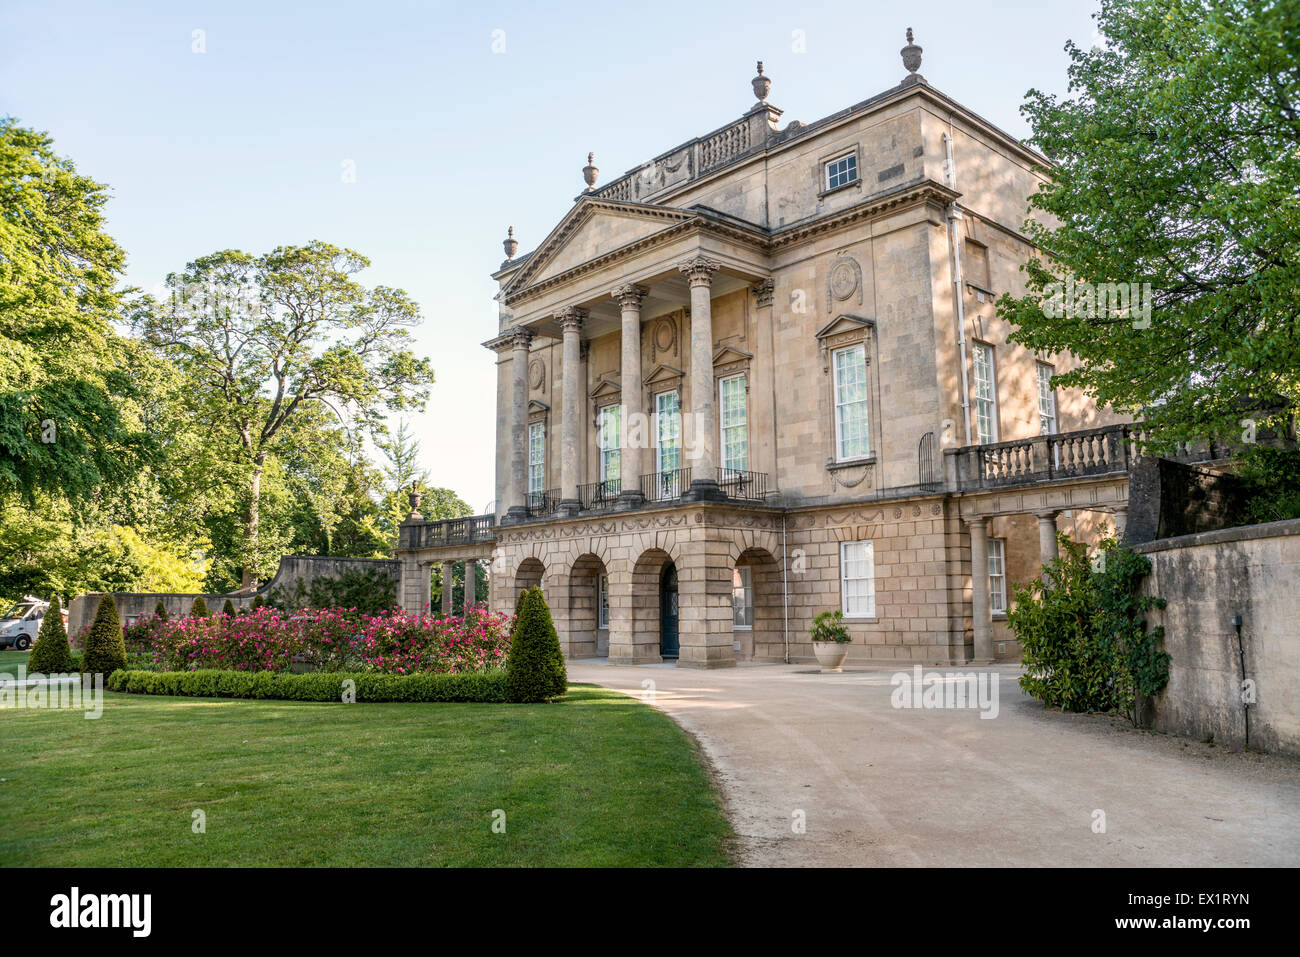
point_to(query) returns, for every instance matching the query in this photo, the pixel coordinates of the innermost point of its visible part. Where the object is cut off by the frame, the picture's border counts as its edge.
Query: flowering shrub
(326, 639)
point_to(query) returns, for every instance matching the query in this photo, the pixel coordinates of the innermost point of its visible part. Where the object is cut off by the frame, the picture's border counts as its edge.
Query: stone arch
(588, 621)
(635, 638)
(529, 574)
(764, 637)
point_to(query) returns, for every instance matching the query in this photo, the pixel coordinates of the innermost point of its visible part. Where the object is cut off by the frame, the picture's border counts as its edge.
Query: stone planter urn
(831, 655)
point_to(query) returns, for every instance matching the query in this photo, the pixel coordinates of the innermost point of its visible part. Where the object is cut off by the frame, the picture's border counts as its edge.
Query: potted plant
(830, 641)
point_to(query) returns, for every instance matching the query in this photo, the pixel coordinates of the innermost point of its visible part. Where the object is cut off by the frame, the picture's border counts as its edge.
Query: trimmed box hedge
(370, 686)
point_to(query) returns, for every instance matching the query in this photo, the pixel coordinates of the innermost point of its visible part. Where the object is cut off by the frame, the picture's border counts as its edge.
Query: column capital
(521, 338)
(629, 295)
(763, 291)
(977, 521)
(1048, 515)
(699, 270)
(570, 318)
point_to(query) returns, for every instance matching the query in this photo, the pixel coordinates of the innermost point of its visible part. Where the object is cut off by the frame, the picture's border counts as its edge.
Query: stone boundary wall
(1168, 499)
(293, 568)
(1206, 579)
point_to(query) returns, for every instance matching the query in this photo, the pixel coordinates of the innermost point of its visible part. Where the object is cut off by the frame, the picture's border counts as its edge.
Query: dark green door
(668, 612)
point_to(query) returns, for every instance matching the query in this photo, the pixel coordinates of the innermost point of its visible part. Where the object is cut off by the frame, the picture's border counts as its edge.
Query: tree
(160, 610)
(105, 646)
(228, 609)
(265, 338)
(199, 609)
(1176, 162)
(66, 420)
(52, 654)
(535, 667)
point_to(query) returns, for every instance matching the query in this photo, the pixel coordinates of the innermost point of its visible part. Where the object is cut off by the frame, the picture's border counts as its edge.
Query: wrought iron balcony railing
(543, 503)
(665, 486)
(743, 486)
(599, 495)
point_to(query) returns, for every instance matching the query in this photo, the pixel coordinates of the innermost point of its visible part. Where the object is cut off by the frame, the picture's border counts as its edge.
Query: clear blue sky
(242, 146)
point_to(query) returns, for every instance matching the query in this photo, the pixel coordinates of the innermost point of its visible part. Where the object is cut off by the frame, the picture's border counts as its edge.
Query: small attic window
(842, 170)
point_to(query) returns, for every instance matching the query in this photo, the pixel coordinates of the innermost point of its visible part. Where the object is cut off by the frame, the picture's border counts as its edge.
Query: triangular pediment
(664, 373)
(845, 323)
(729, 354)
(605, 385)
(594, 228)
(537, 405)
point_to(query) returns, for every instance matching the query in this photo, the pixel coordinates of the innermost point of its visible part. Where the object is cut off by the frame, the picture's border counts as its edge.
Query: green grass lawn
(10, 660)
(597, 779)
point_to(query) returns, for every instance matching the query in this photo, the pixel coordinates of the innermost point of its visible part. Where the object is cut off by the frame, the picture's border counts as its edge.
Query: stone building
(762, 376)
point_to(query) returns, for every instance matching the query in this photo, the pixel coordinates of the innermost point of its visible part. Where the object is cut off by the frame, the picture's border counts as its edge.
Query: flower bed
(327, 639)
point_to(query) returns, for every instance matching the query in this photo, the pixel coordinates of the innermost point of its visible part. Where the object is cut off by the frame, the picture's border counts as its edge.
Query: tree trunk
(249, 576)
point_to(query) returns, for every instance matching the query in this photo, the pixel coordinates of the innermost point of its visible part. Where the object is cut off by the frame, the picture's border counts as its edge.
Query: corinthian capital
(570, 318)
(629, 295)
(521, 338)
(699, 271)
(763, 291)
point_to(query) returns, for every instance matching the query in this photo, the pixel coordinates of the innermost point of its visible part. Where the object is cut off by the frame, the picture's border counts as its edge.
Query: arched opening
(654, 587)
(528, 575)
(757, 612)
(589, 608)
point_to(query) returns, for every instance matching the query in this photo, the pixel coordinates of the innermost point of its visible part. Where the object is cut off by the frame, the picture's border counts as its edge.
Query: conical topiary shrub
(105, 650)
(51, 654)
(228, 609)
(535, 669)
(259, 602)
(160, 610)
(199, 609)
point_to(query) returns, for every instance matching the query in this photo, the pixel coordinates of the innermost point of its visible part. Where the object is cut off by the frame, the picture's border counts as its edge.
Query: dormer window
(842, 170)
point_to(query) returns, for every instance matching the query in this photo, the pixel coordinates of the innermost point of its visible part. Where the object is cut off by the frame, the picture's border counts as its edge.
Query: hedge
(317, 686)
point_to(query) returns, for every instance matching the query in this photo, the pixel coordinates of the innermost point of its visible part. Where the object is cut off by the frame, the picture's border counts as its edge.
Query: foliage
(328, 639)
(1177, 157)
(1270, 477)
(297, 319)
(371, 591)
(535, 665)
(366, 686)
(829, 626)
(228, 609)
(68, 423)
(51, 654)
(104, 648)
(199, 609)
(160, 610)
(1085, 643)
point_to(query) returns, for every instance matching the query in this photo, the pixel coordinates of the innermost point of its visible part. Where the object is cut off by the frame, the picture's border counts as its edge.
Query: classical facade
(761, 376)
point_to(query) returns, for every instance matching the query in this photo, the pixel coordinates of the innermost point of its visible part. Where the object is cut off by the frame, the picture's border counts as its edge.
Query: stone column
(425, 587)
(1047, 550)
(629, 298)
(702, 413)
(571, 412)
(471, 594)
(519, 425)
(981, 611)
(1121, 522)
(762, 385)
(448, 586)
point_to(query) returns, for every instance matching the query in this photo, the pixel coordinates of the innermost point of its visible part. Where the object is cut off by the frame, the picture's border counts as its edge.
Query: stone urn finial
(589, 172)
(762, 84)
(413, 498)
(510, 244)
(911, 54)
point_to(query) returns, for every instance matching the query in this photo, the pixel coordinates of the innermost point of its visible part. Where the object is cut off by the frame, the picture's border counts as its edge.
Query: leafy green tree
(66, 422)
(295, 319)
(52, 654)
(105, 645)
(535, 667)
(1177, 155)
